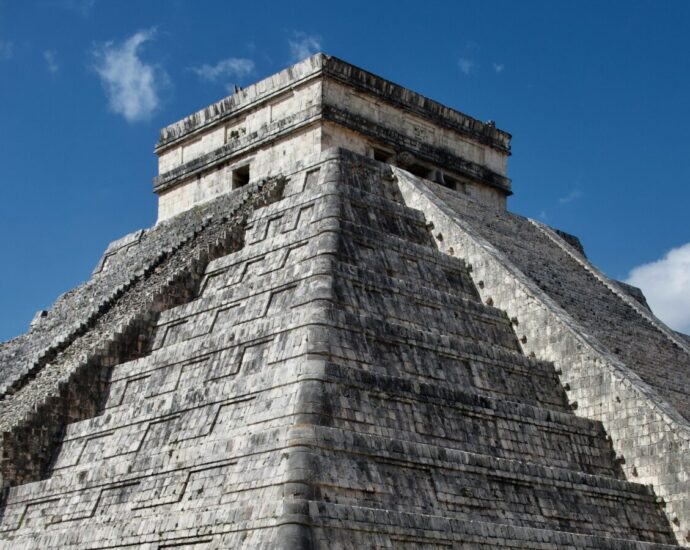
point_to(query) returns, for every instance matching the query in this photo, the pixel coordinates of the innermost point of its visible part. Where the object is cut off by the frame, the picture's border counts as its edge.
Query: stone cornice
(288, 125)
(407, 100)
(347, 74)
(245, 100)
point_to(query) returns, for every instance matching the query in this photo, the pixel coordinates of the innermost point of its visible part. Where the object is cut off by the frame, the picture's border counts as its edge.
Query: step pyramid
(335, 379)
(311, 361)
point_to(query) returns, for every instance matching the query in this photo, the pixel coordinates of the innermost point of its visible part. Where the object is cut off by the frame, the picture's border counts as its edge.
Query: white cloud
(570, 197)
(232, 67)
(666, 284)
(499, 67)
(466, 65)
(51, 61)
(133, 87)
(303, 45)
(6, 50)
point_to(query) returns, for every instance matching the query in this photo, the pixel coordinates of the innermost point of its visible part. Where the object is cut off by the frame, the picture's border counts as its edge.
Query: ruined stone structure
(336, 336)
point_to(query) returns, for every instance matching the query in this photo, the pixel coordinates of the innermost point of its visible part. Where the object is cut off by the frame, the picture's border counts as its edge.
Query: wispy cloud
(570, 197)
(6, 50)
(132, 86)
(232, 67)
(498, 67)
(466, 65)
(303, 45)
(51, 61)
(666, 285)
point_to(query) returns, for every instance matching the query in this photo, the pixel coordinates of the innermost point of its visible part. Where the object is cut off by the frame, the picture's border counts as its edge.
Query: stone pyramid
(337, 337)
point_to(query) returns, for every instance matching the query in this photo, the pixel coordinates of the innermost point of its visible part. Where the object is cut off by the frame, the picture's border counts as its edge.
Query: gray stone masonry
(337, 337)
(618, 363)
(71, 386)
(320, 103)
(125, 262)
(307, 367)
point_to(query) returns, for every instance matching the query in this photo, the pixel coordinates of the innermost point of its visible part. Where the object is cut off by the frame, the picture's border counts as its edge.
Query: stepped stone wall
(337, 337)
(70, 382)
(620, 366)
(126, 261)
(330, 377)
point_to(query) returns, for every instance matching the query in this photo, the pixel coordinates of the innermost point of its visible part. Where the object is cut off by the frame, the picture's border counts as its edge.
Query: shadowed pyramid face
(335, 380)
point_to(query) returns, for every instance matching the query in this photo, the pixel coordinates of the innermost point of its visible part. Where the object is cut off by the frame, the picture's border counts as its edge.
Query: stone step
(406, 350)
(396, 254)
(244, 350)
(349, 468)
(238, 274)
(347, 527)
(361, 246)
(231, 274)
(428, 413)
(359, 339)
(212, 500)
(160, 468)
(335, 200)
(331, 526)
(426, 309)
(391, 474)
(462, 318)
(348, 398)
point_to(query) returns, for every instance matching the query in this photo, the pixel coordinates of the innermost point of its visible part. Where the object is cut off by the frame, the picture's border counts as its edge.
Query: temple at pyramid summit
(337, 336)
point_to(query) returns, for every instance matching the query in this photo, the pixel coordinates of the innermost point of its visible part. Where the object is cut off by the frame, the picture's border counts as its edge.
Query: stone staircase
(635, 340)
(335, 383)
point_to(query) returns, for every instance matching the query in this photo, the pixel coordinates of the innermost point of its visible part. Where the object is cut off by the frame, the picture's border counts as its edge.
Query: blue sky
(596, 95)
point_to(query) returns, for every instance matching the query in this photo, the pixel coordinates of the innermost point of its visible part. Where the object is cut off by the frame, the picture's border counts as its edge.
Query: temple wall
(335, 136)
(412, 126)
(272, 158)
(266, 125)
(247, 121)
